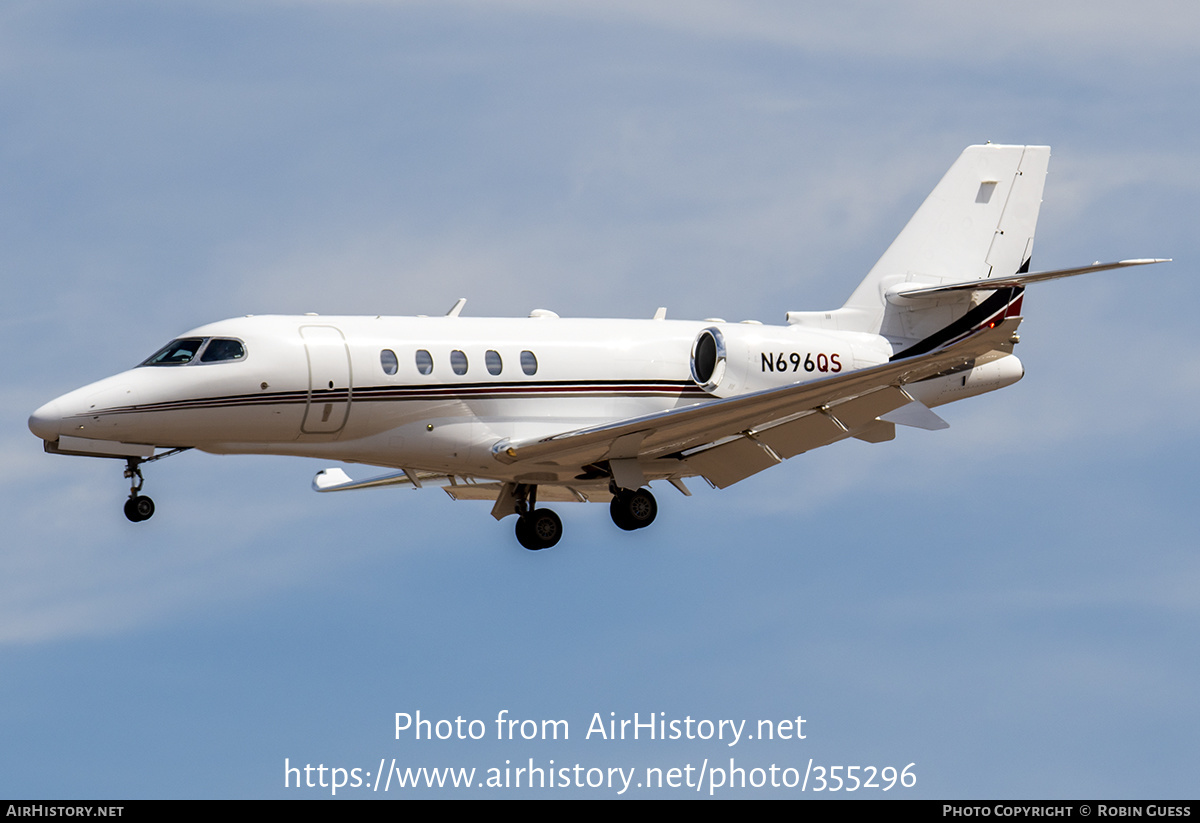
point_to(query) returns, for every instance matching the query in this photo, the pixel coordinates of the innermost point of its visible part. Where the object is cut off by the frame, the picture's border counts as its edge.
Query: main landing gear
(539, 529)
(633, 509)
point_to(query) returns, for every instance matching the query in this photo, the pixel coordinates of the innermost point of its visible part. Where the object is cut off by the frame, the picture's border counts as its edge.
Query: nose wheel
(138, 507)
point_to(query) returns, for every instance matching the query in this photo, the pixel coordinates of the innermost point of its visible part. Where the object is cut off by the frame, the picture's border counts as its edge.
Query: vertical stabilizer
(977, 223)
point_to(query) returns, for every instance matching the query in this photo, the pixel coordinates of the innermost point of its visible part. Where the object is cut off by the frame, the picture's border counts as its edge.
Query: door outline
(330, 387)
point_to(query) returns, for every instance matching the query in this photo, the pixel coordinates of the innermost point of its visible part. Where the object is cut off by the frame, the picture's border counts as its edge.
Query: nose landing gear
(138, 507)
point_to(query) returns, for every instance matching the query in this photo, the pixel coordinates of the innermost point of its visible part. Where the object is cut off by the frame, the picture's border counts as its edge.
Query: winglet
(457, 308)
(329, 479)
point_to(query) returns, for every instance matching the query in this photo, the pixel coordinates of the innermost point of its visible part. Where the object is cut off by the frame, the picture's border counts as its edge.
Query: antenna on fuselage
(457, 308)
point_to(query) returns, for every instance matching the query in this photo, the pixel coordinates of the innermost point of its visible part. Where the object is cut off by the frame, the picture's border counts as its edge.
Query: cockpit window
(176, 353)
(222, 348)
(184, 350)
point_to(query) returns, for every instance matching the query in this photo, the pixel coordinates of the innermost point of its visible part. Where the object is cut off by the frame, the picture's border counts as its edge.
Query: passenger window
(220, 348)
(387, 359)
(493, 362)
(528, 362)
(458, 362)
(424, 362)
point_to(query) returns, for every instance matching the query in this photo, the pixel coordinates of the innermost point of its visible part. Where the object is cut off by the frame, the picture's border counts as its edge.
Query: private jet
(527, 411)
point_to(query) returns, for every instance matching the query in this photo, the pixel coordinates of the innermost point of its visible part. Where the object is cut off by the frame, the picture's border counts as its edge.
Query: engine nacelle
(732, 359)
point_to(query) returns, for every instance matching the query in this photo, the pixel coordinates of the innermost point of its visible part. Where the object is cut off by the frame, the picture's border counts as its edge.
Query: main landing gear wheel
(633, 509)
(139, 508)
(539, 529)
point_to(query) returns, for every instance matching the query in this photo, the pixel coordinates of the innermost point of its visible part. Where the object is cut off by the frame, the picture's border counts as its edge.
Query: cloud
(931, 30)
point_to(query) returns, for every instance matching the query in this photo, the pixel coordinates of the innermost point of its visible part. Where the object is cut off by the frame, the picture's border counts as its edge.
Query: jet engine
(736, 358)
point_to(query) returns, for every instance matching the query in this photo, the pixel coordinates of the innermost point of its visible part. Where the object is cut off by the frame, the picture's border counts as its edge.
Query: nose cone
(47, 421)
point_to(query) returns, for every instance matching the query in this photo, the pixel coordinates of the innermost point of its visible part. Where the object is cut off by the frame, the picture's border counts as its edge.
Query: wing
(729, 439)
(458, 487)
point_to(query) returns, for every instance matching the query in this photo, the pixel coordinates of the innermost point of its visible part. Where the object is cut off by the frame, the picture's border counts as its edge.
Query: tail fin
(978, 223)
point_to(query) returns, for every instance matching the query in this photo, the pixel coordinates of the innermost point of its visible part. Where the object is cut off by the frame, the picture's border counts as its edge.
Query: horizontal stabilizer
(1017, 279)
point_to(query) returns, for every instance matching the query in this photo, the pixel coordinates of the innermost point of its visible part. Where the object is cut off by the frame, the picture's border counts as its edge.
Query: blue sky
(1009, 604)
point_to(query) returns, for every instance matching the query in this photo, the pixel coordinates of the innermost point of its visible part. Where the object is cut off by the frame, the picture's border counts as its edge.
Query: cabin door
(328, 380)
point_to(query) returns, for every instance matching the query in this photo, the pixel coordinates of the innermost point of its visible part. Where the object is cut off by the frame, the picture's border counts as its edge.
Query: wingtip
(327, 479)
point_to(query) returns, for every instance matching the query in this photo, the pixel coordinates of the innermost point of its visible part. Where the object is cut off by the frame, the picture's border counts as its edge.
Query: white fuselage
(319, 386)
